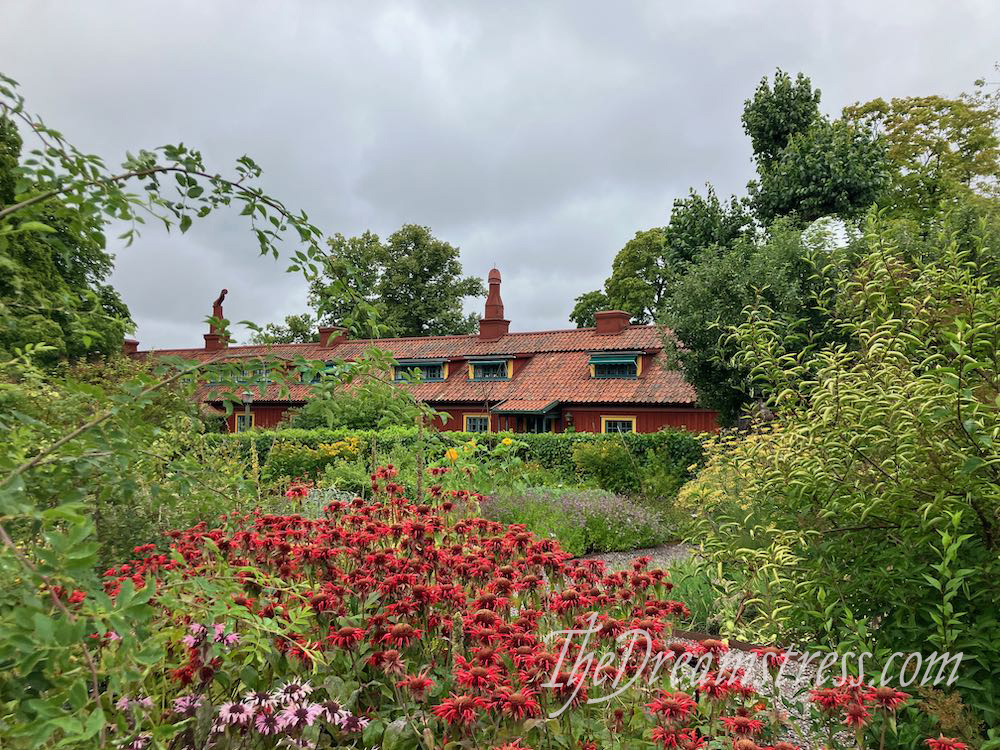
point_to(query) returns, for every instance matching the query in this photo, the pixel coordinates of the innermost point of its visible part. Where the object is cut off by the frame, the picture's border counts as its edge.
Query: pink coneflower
(265, 721)
(140, 741)
(334, 712)
(234, 713)
(294, 691)
(260, 699)
(299, 715)
(220, 633)
(187, 704)
(354, 723)
(123, 703)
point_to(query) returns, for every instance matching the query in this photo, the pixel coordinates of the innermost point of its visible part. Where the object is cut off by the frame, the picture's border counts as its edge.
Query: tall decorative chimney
(611, 322)
(130, 347)
(215, 339)
(493, 325)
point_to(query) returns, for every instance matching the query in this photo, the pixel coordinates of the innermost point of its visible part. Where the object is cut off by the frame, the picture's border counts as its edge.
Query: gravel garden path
(662, 556)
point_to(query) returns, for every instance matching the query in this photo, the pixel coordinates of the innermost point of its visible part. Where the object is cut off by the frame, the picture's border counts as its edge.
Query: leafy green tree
(413, 280)
(297, 329)
(644, 270)
(587, 304)
(370, 405)
(831, 168)
(360, 260)
(777, 112)
(53, 287)
(786, 271)
(940, 148)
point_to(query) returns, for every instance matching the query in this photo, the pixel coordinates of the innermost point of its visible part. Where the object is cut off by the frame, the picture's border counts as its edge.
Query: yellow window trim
(236, 422)
(638, 366)
(615, 418)
(510, 369)
(465, 422)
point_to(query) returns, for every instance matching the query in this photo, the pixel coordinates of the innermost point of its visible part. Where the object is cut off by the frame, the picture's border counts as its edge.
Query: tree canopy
(413, 279)
(55, 267)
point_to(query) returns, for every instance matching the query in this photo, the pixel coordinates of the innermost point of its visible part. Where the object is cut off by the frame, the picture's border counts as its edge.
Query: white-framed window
(489, 371)
(429, 372)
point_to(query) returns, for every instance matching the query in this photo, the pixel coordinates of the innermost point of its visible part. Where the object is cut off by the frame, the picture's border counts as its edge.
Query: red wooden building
(609, 378)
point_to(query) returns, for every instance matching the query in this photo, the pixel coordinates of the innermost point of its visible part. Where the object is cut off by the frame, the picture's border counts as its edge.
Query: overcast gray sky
(537, 136)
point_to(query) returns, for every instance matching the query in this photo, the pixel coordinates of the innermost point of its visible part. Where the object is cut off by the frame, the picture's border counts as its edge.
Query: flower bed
(416, 626)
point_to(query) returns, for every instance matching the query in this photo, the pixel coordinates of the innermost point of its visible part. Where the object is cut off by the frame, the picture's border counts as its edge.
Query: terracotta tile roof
(430, 347)
(556, 367)
(518, 405)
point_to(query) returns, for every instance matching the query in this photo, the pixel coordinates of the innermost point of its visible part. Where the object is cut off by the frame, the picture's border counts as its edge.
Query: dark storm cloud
(537, 136)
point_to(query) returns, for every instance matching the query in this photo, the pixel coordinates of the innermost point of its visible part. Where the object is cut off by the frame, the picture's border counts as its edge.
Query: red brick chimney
(493, 325)
(330, 336)
(612, 322)
(215, 339)
(130, 347)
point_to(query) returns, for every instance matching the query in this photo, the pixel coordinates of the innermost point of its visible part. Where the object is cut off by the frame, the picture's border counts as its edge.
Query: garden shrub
(610, 464)
(867, 513)
(297, 461)
(678, 449)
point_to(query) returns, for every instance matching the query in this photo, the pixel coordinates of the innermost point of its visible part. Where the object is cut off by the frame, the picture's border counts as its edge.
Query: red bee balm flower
(519, 704)
(416, 685)
(345, 637)
(672, 706)
(460, 709)
(401, 635)
(889, 698)
(742, 725)
(856, 715)
(946, 743)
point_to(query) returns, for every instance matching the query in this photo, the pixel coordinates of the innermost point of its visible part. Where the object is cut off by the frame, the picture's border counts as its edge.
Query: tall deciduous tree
(297, 329)
(831, 168)
(644, 270)
(939, 148)
(53, 271)
(777, 112)
(413, 279)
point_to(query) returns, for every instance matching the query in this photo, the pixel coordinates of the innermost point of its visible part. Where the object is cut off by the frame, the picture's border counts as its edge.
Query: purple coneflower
(354, 723)
(334, 712)
(299, 715)
(234, 713)
(187, 704)
(266, 721)
(294, 691)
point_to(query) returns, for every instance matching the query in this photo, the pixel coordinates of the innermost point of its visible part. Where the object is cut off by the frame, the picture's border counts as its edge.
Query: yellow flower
(507, 441)
(451, 454)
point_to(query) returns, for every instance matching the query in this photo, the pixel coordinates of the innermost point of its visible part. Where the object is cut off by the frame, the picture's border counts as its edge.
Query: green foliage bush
(867, 514)
(610, 464)
(648, 453)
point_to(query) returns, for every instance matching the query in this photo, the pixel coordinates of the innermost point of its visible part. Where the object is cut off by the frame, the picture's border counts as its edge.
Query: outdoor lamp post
(247, 400)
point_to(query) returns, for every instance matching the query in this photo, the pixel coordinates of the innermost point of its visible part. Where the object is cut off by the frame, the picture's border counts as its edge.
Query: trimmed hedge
(554, 451)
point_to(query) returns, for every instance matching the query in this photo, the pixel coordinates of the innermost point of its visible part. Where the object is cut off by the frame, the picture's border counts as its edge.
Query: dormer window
(490, 369)
(425, 370)
(619, 365)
